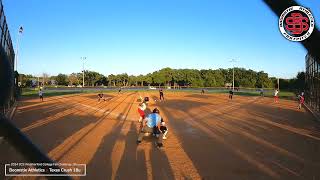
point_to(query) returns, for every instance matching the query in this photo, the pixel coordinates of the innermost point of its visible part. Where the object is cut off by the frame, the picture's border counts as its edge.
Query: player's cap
(156, 110)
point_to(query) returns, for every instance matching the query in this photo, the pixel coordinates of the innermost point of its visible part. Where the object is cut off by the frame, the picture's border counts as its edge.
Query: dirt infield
(210, 137)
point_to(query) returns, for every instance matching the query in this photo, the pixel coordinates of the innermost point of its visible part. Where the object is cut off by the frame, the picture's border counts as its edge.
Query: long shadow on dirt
(206, 152)
(95, 96)
(198, 96)
(30, 115)
(227, 161)
(185, 105)
(102, 158)
(57, 132)
(119, 157)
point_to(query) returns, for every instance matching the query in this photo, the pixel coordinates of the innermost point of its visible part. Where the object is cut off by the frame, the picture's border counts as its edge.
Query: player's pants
(142, 115)
(161, 96)
(147, 129)
(230, 96)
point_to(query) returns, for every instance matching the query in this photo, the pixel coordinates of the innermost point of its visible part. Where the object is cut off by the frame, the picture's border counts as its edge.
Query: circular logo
(296, 23)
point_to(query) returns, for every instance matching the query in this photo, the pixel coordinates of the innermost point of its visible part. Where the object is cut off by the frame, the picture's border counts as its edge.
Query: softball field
(210, 136)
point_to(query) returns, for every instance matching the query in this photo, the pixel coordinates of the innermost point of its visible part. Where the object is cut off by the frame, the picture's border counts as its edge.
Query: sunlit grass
(33, 92)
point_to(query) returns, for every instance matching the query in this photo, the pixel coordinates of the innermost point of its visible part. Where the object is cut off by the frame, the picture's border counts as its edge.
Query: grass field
(282, 94)
(210, 137)
(33, 92)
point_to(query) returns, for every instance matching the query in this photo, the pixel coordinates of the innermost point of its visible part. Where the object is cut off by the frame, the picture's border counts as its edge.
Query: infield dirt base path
(210, 137)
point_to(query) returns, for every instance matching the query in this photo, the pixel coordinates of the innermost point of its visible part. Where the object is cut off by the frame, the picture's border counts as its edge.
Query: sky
(141, 36)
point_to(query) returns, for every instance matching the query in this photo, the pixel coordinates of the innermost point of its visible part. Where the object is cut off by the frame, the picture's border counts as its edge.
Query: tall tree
(73, 79)
(62, 79)
(112, 80)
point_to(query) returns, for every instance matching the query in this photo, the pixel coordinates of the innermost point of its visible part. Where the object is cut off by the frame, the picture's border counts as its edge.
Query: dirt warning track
(210, 137)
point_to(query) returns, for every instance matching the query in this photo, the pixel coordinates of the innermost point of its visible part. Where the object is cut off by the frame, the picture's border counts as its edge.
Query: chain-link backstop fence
(6, 57)
(313, 82)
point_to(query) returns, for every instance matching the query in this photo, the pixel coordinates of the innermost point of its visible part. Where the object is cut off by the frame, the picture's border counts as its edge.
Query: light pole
(17, 48)
(232, 61)
(83, 59)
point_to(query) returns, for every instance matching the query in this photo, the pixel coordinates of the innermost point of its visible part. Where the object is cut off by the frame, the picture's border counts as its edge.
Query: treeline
(297, 83)
(171, 77)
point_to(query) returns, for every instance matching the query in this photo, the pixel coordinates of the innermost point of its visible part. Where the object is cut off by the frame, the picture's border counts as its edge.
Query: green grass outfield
(282, 94)
(33, 92)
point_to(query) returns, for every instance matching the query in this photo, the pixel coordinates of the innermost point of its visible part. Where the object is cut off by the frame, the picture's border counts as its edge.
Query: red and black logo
(296, 23)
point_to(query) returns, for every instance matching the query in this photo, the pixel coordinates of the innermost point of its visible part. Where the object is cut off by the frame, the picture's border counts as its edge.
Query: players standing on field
(161, 94)
(301, 100)
(261, 92)
(41, 95)
(275, 95)
(230, 94)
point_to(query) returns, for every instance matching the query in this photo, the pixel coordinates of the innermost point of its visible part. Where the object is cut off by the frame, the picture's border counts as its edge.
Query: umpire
(152, 122)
